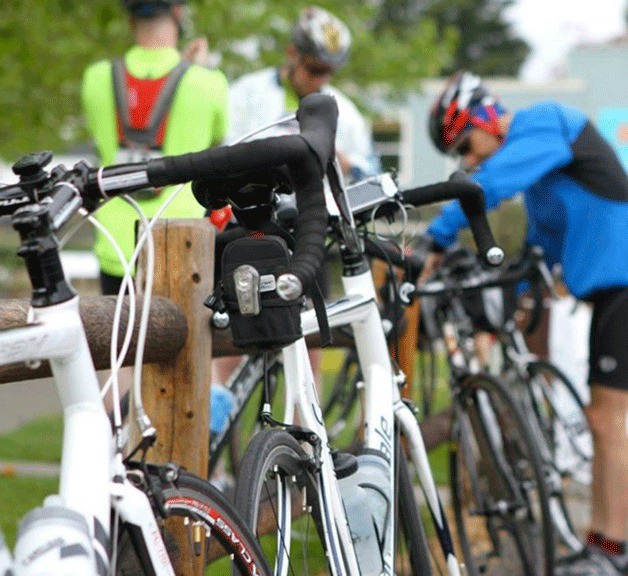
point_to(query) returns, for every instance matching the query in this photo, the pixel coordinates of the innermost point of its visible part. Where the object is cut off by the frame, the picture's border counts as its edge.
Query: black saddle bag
(278, 322)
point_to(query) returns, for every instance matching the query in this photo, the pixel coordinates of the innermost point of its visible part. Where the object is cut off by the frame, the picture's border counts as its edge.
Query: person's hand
(433, 261)
(344, 162)
(197, 52)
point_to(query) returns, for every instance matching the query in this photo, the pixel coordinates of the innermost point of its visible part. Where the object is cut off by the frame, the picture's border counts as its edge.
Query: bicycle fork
(409, 428)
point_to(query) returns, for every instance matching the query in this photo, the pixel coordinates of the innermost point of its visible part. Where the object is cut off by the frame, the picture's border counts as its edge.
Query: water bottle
(6, 562)
(54, 540)
(366, 498)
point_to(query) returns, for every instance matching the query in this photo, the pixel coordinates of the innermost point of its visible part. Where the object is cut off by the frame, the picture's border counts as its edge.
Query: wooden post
(408, 341)
(176, 393)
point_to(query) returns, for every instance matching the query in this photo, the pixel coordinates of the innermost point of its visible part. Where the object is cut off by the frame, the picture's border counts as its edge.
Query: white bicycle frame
(383, 409)
(87, 485)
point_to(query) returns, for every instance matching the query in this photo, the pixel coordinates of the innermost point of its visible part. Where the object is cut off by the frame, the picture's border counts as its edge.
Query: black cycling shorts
(608, 339)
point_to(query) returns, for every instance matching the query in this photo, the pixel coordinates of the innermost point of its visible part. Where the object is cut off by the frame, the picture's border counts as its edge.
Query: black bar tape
(311, 223)
(227, 161)
(471, 198)
(318, 117)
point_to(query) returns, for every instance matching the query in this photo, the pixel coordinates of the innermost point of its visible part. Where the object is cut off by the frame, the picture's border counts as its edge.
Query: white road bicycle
(312, 505)
(115, 516)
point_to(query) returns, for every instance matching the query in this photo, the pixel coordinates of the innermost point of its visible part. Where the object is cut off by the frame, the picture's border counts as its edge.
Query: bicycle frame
(384, 409)
(86, 483)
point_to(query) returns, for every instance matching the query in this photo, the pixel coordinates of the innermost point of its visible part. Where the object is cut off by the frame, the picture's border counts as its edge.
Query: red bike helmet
(463, 104)
(321, 35)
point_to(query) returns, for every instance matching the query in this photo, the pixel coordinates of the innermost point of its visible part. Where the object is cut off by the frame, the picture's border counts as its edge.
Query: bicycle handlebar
(471, 197)
(305, 155)
(529, 268)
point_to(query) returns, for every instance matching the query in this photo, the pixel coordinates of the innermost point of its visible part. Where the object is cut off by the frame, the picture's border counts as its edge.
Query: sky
(552, 27)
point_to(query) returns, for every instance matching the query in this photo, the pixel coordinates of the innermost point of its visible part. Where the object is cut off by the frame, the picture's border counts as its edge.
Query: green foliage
(46, 44)
(486, 43)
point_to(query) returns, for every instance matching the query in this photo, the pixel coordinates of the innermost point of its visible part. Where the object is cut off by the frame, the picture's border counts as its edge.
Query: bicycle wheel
(276, 494)
(498, 487)
(567, 448)
(247, 386)
(190, 510)
(412, 556)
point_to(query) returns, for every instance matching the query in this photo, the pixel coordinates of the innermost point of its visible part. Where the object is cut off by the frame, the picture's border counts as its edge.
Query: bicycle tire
(243, 423)
(411, 530)
(220, 541)
(558, 413)
(499, 494)
(274, 477)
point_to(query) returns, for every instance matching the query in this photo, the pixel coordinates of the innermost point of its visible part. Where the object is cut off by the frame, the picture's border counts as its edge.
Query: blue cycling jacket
(575, 192)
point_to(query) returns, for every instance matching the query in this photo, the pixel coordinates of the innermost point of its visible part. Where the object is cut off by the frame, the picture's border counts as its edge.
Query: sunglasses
(314, 70)
(463, 148)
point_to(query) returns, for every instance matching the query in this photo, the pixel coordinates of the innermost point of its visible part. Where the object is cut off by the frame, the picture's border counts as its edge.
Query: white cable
(283, 120)
(392, 235)
(129, 332)
(145, 237)
(141, 338)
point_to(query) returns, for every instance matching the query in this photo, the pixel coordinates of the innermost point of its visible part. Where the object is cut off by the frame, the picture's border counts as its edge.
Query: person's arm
(533, 148)
(98, 106)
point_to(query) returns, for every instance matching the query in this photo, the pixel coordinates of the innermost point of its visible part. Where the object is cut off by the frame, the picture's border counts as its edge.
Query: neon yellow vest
(197, 120)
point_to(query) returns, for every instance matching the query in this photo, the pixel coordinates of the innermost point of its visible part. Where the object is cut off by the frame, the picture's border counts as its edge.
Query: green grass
(37, 441)
(19, 495)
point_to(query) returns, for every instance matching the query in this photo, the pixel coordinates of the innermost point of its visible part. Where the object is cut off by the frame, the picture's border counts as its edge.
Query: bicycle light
(246, 280)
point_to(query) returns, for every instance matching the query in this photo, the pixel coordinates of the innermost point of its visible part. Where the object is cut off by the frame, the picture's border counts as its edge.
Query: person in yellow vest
(148, 103)
(153, 101)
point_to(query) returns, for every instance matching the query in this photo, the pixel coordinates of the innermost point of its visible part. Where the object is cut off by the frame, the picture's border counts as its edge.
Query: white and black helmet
(320, 34)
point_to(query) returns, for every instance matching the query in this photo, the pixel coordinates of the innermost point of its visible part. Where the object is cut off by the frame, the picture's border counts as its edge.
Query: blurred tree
(486, 43)
(46, 44)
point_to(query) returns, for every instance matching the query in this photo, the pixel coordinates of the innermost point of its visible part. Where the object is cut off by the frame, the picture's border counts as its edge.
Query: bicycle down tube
(359, 310)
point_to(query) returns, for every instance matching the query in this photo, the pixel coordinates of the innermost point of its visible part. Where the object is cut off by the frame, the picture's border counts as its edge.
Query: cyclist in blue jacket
(575, 192)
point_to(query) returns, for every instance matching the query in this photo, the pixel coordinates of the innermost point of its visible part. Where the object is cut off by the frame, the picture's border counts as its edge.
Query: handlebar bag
(278, 322)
